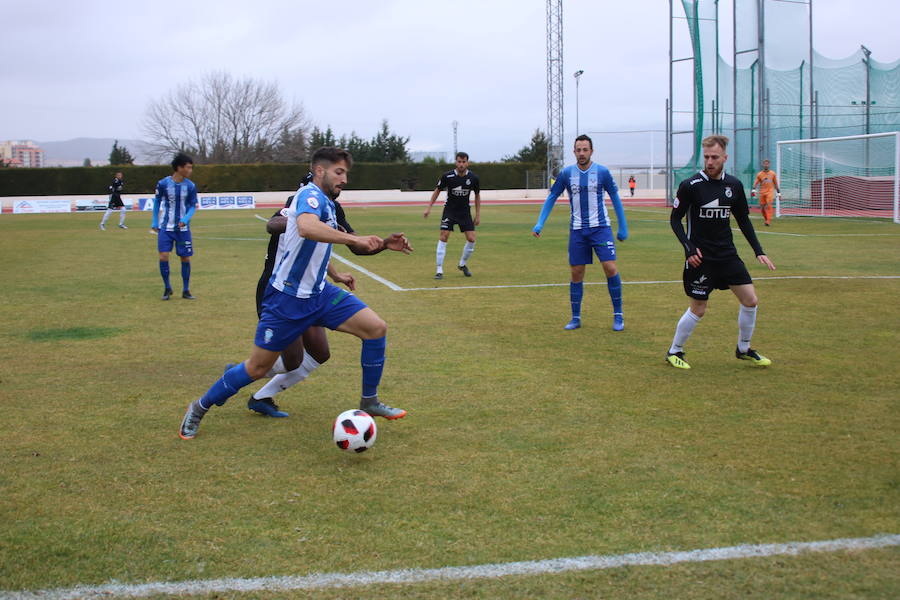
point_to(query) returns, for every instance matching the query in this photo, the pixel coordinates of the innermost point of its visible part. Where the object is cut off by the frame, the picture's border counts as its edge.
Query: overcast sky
(89, 68)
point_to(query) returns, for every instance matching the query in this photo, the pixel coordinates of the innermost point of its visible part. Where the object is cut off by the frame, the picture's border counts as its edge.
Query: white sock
(746, 323)
(441, 252)
(468, 249)
(683, 331)
(276, 369)
(283, 381)
(122, 216)
(106, 216)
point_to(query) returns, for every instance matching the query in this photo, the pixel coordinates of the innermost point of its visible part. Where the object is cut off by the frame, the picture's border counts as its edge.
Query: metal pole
(577, 75)
(669, 109)
(812, 128)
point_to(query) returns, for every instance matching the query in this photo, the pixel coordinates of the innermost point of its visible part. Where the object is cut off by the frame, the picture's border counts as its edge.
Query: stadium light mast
(554, 87)
(577, 76)
(455, 127)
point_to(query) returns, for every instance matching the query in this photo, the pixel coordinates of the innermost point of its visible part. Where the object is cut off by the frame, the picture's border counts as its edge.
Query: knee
(699, 310)
(750, 302)
(256, 370)
(376, 329)
(320, 355)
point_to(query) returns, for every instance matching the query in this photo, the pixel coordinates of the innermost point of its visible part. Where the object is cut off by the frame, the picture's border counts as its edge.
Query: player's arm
(679, 209)
(741, 213)
(345, 278)
(477, 191)
(192, 207)
(311, 228)
(276, 225)
(434, 197)
(157, 200)
(558, 186)
(613, 191)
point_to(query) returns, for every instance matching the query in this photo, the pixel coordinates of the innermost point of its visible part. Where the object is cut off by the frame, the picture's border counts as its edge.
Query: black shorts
(461, 217)
(115, 202)
(699, 282)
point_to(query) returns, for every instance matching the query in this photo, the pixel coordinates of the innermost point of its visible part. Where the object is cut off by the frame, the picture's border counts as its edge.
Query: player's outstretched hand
(345, 278)
(425, 214)
(536, 232)
(398, 243)
(622, 235)
(762, 258)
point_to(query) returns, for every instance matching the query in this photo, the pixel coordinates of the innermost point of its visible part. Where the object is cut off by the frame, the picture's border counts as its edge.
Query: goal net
(853, 176)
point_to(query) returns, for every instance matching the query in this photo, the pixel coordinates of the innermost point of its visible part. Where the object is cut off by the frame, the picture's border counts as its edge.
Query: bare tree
(221, 119)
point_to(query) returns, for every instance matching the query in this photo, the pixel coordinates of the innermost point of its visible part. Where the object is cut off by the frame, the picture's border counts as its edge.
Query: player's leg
(579, 257)
(468, 228)
(351, 315)
(184, 247)
(301, 358)
(164, 244)
(122, 218)
(746, 295)
(605, 248)
(105, 218)
(765, 206)
(698, 285)
(441, 252)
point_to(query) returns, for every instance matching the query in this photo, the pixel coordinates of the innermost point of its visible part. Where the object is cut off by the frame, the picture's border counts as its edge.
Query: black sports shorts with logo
(458, 216)
(699, 282)
(115, 201)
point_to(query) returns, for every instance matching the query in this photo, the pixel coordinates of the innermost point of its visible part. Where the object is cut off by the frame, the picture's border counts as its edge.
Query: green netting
(727, 55)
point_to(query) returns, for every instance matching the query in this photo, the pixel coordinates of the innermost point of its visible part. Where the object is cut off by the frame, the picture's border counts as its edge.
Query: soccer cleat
(167, 294)
(186, 294)
(465, 270)
(618, 322)
(378, 409)
(676, 359)
(102, 227)
(266, 406)
(191, 421)
(122, 226)
(438, 275)
(753, 356)
(575, 323)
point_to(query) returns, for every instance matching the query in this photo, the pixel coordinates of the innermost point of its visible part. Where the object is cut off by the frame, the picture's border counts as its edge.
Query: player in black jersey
(708, 199)
(115, 201)
(310, 350)
(459, 183)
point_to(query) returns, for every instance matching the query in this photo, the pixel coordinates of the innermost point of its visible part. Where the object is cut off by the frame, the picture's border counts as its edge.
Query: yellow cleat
(677, 360)
(754, 357)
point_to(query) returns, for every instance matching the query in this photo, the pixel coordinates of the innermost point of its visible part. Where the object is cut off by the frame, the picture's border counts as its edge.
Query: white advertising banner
(42, 206)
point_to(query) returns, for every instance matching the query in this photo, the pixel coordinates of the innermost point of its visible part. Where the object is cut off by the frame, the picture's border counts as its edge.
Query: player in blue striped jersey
(589, 226)
(298, 296)
(173, 207)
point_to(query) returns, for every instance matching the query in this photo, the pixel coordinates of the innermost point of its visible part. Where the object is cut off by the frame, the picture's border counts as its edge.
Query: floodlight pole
(577, 76)
(455, 127)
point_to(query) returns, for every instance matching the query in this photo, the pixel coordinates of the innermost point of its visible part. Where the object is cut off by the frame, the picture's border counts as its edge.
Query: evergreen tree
(536, 152)
(120, 155)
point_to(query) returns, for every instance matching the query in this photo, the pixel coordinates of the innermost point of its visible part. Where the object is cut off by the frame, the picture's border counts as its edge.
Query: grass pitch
(523, 441)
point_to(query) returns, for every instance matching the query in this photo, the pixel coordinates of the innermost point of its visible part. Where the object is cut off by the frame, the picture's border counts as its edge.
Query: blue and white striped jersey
(586, 190)
(174, 202)
(303, 265)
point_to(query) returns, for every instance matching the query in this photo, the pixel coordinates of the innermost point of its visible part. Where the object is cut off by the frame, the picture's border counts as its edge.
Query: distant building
(16, 153)
(419, 156)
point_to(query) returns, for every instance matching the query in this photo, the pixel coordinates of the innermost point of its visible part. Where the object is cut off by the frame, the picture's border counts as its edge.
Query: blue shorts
(284, 317)
(598, 239)
(180, 238)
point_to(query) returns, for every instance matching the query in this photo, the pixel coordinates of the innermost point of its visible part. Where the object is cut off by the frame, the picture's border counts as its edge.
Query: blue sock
(227, 386)
(186, 275)
(372, 361)
(614, 285)
(164, 271)
(576, 292)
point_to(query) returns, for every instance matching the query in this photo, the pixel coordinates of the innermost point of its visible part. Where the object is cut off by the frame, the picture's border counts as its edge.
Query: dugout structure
(851, 176)
(747, 69)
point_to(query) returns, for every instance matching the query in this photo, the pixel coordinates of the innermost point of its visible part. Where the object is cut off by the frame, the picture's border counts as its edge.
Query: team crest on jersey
(468, 182)
(728, 192)
(313, 202)
(675, 203)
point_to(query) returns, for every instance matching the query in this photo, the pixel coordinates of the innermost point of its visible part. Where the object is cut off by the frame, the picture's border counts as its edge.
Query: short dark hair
(584, 138)
(462, 155)
(330, 155)
(180, 160)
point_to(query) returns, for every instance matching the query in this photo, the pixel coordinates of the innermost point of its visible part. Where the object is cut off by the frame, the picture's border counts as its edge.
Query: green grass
(523, 441)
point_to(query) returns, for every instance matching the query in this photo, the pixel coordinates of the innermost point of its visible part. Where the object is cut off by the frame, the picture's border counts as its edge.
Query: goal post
(851, 176)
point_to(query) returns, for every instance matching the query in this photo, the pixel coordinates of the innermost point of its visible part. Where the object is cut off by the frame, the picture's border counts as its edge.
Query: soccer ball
(354, 431)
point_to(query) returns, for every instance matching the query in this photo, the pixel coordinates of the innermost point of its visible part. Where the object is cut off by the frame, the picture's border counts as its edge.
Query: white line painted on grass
(447, 574)
(377, 278)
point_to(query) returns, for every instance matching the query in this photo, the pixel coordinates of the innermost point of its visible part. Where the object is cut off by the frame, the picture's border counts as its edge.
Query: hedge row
(248, 178)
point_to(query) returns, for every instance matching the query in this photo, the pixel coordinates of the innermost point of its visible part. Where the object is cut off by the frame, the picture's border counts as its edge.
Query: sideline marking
(489, 571)
(365, 271)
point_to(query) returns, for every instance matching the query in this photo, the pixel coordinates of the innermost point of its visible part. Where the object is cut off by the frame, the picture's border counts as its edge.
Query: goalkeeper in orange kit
(767, 182)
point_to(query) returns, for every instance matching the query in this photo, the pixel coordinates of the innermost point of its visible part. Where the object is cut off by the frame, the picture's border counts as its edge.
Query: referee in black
(459, 183)
(115, 201)
(708, 199)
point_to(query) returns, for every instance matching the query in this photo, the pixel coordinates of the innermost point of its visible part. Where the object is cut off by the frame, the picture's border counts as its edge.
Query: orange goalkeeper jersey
(766, 180)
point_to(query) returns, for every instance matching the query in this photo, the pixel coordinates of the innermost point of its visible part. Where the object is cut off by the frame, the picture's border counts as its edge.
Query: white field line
(377, 278)
(317, 581)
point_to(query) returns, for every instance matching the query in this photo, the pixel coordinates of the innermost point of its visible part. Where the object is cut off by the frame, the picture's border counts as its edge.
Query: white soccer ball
(354, 431)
